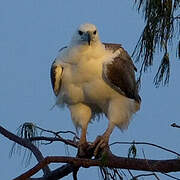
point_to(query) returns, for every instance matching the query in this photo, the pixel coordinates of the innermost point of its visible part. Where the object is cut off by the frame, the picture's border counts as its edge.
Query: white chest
(82, 80)
(76, 77)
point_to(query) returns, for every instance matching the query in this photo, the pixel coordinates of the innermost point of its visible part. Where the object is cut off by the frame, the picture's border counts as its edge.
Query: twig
(131, 174)
(51, 139)
(155, 175)
(170, 176)
(118, 174)
(175, 125)
(145, 143)
(141, 175)
(27, 144)
(58, 132)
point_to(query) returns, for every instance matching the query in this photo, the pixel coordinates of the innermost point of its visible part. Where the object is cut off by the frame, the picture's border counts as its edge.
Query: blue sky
(31, 33)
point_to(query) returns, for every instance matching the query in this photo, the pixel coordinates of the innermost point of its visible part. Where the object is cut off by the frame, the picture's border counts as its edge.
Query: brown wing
(119, 72)
(56, 77)
(124, 55)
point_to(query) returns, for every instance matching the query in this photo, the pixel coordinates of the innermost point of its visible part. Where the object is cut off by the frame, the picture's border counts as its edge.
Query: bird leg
(83, 144)
(81, 115)
(101, 142)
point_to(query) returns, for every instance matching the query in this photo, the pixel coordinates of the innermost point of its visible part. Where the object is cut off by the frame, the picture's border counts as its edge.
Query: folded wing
(56, 77)
(119, 72)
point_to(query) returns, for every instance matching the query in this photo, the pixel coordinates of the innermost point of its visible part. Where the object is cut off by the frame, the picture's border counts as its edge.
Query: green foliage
(25, 131)
(132, 150)
(162, 26)
(164, 68)
(104, 158)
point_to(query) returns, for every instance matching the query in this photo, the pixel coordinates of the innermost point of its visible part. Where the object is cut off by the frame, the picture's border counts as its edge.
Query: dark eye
(80, 33)
(94, 32)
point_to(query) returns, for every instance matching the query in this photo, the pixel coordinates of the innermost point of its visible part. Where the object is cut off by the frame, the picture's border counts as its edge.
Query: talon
(97, 140)
(82, 149)
(101, 144)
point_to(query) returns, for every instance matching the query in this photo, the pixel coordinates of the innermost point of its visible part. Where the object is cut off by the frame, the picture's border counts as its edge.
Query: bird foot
(101, 145)
(82, 147)
(85, 150)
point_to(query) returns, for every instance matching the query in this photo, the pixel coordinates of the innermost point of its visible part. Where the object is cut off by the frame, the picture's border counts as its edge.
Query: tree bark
(165, 166)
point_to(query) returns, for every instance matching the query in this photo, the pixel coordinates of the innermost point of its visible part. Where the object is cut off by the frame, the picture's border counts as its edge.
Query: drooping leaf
(179, 50)
(163, 73)
(26, 131)
(160, 21)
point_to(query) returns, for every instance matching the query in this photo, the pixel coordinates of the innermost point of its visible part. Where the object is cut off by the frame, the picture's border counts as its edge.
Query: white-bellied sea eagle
(91, 78)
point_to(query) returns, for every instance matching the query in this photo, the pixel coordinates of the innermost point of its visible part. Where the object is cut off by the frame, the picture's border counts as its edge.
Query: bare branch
(113, 162)
(58, 132)
(172, 177)
(52, 139)
(27, 144)
(145, 143)
(58, 173)
(141, 175)
(175, 125)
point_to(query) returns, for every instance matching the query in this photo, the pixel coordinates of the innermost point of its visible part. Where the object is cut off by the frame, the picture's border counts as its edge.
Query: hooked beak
(89, 39)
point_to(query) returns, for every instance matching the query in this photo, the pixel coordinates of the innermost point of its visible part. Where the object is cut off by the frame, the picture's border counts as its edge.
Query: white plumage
(85, 77)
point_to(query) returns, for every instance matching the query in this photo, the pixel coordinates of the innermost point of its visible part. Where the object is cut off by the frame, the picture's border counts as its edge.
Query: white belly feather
(82, 83)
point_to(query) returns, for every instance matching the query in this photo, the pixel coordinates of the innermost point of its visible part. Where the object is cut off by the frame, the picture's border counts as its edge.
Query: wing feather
(56, 77)
(119, 72)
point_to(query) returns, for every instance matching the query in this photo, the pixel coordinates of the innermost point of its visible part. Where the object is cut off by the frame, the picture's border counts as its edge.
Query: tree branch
(57, 132)
(51, 139)
(171, 165)
(26, 143)
(60, 172)
(150, 144)
(111, 161)
(175, 125)
(141, 175)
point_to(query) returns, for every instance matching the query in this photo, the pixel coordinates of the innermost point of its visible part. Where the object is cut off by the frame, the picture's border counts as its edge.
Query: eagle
(92, 78)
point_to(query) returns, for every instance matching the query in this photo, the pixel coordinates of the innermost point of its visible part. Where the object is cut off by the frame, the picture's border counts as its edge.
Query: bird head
(86, 34)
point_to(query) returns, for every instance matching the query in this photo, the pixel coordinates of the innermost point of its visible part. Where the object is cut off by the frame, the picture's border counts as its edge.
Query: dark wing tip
(52, 74)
